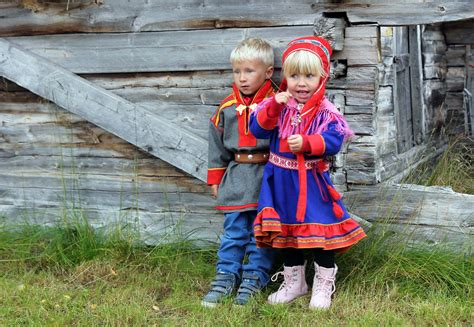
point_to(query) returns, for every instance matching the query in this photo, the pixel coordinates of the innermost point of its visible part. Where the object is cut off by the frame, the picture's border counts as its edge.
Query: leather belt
(251, 157)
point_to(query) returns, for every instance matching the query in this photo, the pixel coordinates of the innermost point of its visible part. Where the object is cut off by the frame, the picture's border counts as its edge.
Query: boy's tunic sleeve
(219, 156)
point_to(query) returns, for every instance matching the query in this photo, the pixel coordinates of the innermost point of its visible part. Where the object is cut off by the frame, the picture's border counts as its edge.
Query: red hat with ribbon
(322, 49)
(314, 44)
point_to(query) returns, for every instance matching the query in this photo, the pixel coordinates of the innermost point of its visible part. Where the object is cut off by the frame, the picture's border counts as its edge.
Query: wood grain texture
(131, 122)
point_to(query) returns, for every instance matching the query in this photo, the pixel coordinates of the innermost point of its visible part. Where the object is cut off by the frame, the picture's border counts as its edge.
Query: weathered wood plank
(154, 51)
(153, 227)
(416, 84)
(459, 32)
(157, 201)
(415, 204)
(152, 15)
(361, 124)
(131, 122)
(455, 79)
(360, 51)
(456, 55)
(398, 14)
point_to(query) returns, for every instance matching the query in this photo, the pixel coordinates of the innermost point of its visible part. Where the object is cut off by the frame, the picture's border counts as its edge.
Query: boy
(236, 162)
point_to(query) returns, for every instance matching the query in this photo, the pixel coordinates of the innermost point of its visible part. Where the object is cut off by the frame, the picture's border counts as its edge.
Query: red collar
(261, 94)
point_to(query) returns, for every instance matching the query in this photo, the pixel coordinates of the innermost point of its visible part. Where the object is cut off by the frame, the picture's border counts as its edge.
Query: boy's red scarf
(245, 106)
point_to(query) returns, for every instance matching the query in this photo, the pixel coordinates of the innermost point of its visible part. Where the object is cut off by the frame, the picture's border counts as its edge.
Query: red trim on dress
(269, 232)
(317, 144)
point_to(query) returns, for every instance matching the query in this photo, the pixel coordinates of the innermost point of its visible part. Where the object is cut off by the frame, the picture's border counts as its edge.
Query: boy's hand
(295, 143)
(282, 97)
(214, 188)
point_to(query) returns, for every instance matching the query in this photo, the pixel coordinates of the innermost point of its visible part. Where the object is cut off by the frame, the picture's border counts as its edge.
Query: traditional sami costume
(230, 140)
(298, 205)
(236, 163)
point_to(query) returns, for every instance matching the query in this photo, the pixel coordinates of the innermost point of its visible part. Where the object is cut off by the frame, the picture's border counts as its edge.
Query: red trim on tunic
(244, 206)
(317, 144)
(246, 138)
(214, 175)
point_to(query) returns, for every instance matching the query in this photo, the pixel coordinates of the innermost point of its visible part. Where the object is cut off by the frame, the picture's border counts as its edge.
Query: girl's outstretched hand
(282, 97)
(295, 143)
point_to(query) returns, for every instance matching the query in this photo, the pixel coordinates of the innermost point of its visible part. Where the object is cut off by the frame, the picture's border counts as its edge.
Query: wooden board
(129, 121)
(152, 52)
(459, 32)
(151, 15)
(398, 13)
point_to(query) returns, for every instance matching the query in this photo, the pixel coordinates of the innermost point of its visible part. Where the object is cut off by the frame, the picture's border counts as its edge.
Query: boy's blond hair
(303, 62)
(251, 49)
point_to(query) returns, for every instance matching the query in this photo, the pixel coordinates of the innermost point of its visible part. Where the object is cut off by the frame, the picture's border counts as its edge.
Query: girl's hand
(214, 188)
(282, 97)
(295, 143)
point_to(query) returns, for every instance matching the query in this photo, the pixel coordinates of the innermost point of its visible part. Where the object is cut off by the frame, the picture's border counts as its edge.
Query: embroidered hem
(270, 232)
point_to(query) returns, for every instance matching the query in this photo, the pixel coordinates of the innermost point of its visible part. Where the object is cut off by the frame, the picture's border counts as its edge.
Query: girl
(298, 206)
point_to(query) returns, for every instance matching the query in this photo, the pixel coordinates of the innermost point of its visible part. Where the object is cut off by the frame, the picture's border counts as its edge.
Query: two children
(236, 161)
(298, 207)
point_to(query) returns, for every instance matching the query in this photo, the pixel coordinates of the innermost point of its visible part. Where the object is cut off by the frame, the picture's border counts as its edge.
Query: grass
(72, 275)
(453, 168)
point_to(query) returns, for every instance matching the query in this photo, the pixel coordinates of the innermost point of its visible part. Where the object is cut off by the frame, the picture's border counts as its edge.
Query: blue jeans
(238, 241)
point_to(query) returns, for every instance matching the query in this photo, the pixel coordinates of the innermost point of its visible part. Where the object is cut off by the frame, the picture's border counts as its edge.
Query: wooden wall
(172, 59)
(460, 59)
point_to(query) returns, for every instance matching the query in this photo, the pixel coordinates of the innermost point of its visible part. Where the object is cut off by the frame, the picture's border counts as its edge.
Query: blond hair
(251, 49)
(303, 62)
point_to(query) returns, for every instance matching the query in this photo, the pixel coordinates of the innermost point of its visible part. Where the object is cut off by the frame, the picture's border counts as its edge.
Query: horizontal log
(152, 227)
(361, 124)
(360, 98)
(151, 15)
(359, 51)
(360, 156)
(415, 204)
(456, 55)
(130, 122)
(96, 199)
(361, 177)
(154, 51)
(459, 32)
(395, 13)
(455, 79)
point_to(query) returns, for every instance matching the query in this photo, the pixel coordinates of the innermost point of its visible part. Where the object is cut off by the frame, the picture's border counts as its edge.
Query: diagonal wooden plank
(129, 121)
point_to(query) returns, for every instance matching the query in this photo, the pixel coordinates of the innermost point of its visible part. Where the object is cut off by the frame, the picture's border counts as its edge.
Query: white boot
(324, 284)
(293, 286)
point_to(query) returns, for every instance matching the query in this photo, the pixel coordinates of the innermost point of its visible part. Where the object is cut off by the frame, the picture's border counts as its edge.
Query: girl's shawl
(292, 122)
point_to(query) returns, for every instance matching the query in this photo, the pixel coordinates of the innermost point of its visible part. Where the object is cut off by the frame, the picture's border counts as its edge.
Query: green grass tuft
(70, 274)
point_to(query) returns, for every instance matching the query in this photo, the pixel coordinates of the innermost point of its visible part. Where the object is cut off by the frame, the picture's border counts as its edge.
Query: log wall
(460, 42)
(54, 163)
